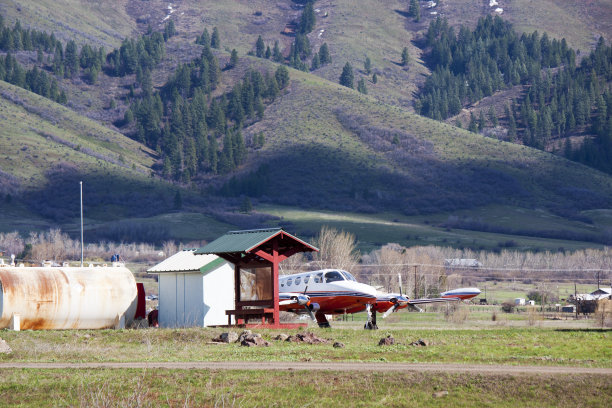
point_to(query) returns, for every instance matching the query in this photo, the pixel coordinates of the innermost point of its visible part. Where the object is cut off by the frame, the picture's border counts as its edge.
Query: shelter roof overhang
(256, 246)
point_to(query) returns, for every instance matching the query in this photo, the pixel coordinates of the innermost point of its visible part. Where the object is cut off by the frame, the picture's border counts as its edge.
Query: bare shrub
(603, 314)
(293, 264)
(11, 243)
(457, 313)
(337, 249)
(533, 316)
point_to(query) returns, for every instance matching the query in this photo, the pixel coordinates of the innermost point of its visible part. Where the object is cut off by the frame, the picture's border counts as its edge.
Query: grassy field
(374, 230)
(509, 340)
(179, 388)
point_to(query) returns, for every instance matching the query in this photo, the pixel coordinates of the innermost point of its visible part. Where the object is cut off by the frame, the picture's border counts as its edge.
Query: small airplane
(332, 291)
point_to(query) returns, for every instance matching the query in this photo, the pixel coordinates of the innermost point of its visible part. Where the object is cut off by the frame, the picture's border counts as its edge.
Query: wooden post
(275, 262)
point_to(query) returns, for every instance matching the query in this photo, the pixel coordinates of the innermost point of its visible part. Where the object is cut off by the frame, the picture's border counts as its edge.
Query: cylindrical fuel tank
(67, 298)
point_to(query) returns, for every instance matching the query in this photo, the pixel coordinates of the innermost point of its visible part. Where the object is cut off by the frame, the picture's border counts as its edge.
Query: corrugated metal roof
(187, 261)
(244, 241)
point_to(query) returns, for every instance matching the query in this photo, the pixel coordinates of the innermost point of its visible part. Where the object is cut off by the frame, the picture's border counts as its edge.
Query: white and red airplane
(332, 291)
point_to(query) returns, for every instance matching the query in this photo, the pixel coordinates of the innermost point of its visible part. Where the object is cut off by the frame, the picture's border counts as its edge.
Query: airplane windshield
(348, 276)
(333, 276)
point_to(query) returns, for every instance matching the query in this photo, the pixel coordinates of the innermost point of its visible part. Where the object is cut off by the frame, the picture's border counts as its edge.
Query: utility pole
(576, 300)
(81, 186)
(415, 281)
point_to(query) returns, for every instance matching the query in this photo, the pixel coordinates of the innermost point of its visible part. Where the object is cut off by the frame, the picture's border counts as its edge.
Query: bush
(507, 307)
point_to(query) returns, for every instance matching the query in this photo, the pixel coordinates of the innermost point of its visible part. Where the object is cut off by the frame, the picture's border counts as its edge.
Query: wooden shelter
(259, 252)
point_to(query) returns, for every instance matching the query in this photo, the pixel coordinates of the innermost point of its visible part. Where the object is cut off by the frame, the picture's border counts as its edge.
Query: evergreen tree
(367, 65)
(324, 55)
(260, 47)
(405, 57)
(346, 78)
(268, 53)
(414, 10)
(282, 76)
(71, 65)
(276, 54)
(492, 116)
(308, 19)
(316, 63)
(204, 39)
(361, 86)
(215, 41)
(233, 59)
(374, 78)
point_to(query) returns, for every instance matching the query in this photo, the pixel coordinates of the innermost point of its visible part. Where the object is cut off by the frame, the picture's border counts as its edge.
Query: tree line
(561, 98)
(470, 65)
(194, 132)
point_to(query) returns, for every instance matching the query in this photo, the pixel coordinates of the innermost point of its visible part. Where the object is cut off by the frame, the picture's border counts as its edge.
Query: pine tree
(374, 78)
(233, 59)
(346, 78)
(492, 116)
(405, 57)
(316, 63)
(308, 19)
(276, 54)
(282, 76)
(367, 65)
(414, 10)
(215, 41)
(268, 53)
(361, 86)
(324, 55)
(260, 47)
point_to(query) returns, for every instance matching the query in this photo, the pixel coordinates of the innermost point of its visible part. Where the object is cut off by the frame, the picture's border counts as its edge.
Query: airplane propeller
(399, 301)
(309, 306)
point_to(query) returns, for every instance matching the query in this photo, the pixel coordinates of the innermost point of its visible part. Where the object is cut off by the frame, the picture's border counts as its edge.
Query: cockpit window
(298, 280)
(333, 276)
(348, 276)
(318, 278)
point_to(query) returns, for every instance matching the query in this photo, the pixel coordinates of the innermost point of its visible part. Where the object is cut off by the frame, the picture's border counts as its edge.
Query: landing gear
(371, 322)
(322, 320)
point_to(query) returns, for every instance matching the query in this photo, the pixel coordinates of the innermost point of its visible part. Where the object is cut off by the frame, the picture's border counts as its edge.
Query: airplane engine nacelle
(302, 300)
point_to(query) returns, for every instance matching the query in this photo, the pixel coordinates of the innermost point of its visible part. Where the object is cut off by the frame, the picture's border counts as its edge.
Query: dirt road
(325, 366)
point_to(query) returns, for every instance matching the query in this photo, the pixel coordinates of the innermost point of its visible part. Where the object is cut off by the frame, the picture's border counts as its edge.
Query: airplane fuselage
(334, 291)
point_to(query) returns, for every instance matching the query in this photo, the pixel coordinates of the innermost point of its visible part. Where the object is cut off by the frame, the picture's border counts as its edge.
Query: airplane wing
(432, 300)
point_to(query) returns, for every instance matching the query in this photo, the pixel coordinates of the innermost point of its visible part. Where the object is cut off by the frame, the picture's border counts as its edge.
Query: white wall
(219, 295)
(196, 300)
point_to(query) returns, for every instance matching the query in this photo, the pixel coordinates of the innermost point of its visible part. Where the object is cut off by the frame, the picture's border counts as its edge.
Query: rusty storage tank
(67, 298)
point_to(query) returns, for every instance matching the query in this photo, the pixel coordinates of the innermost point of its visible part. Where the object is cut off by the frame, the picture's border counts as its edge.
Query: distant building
(194, 290)
(462, 263)
(519, 302)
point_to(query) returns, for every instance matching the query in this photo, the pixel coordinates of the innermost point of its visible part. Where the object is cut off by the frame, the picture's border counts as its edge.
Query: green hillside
(328, 149)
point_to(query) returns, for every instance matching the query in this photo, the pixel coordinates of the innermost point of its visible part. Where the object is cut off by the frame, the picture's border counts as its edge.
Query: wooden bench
(245, 314)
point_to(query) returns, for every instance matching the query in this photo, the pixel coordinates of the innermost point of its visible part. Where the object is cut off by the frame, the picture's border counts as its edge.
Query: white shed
(194, 290)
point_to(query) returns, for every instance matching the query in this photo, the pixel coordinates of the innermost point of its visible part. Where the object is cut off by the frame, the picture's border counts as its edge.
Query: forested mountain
(308, 104)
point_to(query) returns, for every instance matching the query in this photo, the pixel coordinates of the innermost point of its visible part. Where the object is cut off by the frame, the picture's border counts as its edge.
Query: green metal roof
(244, 241)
